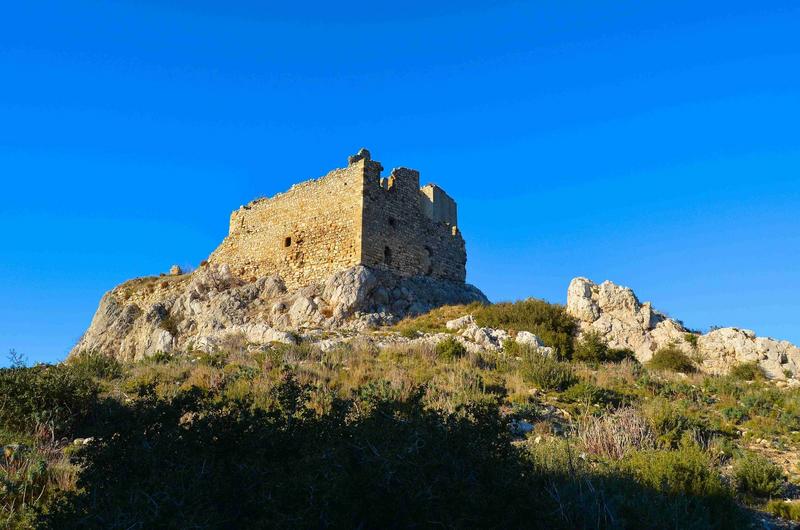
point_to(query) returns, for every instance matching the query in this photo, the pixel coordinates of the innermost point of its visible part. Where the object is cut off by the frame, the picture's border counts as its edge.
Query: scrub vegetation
(407, 435)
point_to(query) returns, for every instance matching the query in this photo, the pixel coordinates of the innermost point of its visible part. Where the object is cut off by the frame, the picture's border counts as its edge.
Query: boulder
(526, 338)
(460, 323)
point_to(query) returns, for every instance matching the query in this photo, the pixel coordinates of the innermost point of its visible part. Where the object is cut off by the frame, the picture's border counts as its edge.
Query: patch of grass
(169, 324)
(783, 509)
(672, 358)
(434, 321)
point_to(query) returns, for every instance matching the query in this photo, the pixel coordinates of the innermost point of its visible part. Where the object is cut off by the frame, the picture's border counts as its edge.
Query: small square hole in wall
(392, 222)
(287, 242)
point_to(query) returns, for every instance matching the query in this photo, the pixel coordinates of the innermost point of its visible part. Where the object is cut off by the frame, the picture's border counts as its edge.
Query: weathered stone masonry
(350, 216)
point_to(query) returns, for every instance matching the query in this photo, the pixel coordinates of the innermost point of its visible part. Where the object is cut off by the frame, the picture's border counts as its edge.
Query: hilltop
(328, 366)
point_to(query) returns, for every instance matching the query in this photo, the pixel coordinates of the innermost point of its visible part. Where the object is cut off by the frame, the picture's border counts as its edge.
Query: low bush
(549, 322)
(590, 394)
(449, 349)
(57, 397)
(546, 372)
(96, 365)
(756, 475)
(686, 471)
(746, 372)
(672, 422)
(592, 348)
(672, 358)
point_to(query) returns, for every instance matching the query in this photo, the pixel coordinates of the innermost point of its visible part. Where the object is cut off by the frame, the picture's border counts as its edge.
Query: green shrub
(784, 510)
(159, 357)
(758, 476)
(592, 348)
(671, 358)
(57, 397)
(169, 324)
(96, 365)
(747, 372)
(691, 339)
(409, 333)
(549, 322)
(686, 471)
(736, 414)
(546, 372)
(585, 392)
(673, 422)
(216, 359)
(449, 349)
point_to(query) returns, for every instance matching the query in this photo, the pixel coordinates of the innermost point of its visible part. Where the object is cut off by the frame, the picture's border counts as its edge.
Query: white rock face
(460, 323)
(488, 338)
(209, 306)
(725, 347)
(617, 314)
(492, 339)
(624, 322)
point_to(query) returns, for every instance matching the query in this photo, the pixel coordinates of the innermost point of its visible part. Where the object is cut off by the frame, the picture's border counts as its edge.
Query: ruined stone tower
(351, 216)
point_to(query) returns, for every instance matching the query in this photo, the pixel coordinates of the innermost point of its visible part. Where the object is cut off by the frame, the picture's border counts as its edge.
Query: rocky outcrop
(211, 307)
(493, 339)
(725, 347)
(617, 314)
(624, 322)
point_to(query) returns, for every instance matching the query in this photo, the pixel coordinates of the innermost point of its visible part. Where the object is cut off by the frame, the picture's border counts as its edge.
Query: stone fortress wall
(350, 216)
(410, 232)
(304, 234)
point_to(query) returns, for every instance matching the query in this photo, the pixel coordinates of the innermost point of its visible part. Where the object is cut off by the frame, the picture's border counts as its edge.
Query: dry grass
(434, 321)
(612, 436)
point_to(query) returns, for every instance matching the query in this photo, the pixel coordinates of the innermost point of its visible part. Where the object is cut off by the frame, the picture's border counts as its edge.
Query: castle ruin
(351, 216)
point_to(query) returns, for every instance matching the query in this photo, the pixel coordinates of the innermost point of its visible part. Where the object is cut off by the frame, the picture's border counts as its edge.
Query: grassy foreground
(408, 435)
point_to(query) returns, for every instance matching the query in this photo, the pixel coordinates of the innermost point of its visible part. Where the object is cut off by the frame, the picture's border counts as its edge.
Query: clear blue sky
(655, 144)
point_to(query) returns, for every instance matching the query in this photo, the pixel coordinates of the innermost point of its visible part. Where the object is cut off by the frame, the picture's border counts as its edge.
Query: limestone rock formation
(624, 322)
(210, 307)
(725, 347)
(617, 314)
(493, 339)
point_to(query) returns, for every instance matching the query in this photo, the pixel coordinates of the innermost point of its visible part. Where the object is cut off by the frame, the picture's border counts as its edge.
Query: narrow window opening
(387, 255)
(429, 251)
(287, 242)
(392, 222)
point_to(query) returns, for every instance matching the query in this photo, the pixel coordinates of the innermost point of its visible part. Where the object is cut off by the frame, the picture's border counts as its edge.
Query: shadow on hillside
(198, 462)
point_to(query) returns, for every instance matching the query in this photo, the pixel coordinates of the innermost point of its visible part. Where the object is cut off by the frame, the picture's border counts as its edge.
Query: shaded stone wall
(349, 217)
(400, 234)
